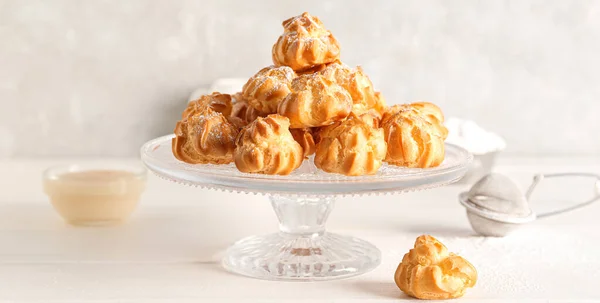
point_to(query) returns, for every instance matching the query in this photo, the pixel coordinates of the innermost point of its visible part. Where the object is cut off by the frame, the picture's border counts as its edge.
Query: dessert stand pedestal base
(302, 250)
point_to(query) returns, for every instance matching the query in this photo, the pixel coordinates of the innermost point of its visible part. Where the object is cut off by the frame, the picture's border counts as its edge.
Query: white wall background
(91, 77)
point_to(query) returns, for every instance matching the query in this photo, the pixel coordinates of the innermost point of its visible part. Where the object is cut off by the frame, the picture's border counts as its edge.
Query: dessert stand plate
(302, 250)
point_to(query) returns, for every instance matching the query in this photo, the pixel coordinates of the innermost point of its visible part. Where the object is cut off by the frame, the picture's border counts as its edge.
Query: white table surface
(169, 251)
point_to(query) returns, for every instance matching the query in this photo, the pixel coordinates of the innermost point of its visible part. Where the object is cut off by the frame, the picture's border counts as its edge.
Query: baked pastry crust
(268, 87)
(266, 146)
(318, 68)
(315, 101)
(352, 147)
(204, 137)
(428, 271)
(414, 135)
(216, 101)
(430, 111)
(380, 104)
(372, 118)
(358, 84)
(305, 43)
(304, 137)
(241, 112)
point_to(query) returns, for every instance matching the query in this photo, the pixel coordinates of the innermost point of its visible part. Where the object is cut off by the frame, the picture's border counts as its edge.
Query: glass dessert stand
(302, 250)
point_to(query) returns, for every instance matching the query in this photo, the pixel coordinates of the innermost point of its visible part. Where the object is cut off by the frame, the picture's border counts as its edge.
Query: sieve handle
(539, 177)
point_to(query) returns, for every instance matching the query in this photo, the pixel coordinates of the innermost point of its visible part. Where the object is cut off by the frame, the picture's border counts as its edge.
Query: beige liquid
(95, 197)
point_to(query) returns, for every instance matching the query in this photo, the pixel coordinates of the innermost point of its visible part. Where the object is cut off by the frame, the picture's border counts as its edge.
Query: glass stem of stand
(301, 216)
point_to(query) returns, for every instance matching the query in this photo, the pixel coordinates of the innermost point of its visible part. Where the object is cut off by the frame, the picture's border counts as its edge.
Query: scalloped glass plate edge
(309, 181)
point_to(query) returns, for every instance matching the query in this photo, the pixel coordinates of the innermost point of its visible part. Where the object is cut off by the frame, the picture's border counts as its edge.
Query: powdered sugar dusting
(276, 77)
